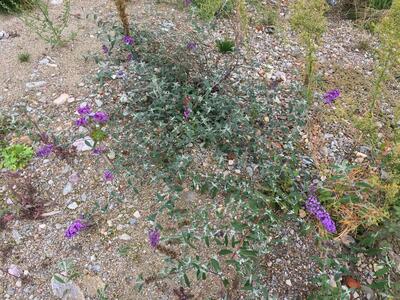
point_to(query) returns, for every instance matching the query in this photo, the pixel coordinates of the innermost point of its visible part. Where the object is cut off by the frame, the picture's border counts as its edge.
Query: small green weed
(24, 57)
(225, 46)
(16, 156)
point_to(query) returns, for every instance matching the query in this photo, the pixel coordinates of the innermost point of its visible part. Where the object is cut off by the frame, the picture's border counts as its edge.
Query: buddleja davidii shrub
(309, 21)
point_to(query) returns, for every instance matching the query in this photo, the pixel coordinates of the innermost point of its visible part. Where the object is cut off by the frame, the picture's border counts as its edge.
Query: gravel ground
(114, 251)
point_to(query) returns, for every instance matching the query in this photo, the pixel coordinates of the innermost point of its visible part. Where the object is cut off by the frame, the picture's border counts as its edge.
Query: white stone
(61, 99)
(84, 144)
(125, 237)
(288, 282)
(67, 189)
(73, 205)
(136, 214)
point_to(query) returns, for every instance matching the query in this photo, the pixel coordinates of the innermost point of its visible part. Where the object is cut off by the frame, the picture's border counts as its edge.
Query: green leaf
(247, 253)
(187, 282)
(215, 265)
(225, 252)
(382, 271)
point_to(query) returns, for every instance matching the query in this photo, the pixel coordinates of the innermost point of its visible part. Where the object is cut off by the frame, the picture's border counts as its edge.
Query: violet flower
(186, 113)
(154, 238)
(128, 40)
(331, 96)
(191, 46)
(105, 49)
(317, 210)
(84, 110)
(120, 74)
(100, 117)
(108, 175)
(129, 57)
(99, 150)
(45, 150)
(76, 227)
(82, 122)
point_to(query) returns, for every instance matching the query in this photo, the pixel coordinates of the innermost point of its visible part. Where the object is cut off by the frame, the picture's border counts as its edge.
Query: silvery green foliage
(248, 122)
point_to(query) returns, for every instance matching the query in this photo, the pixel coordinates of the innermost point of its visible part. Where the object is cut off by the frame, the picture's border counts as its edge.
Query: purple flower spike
(128, 40)
(186, 113)
(45, 150)
(129, 57)
(84, 110)
(317, 210)
(331, 96)
(191, 46)
(75, 228)
(105, 49)
(82, 122)
(100, 117)
(108, 175)
(154, 238)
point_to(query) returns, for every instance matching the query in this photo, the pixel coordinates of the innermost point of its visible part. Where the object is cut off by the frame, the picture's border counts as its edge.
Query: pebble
(125, 237)
(133, 221)
(15, 271)
(18, 283)
(16, 236)
(136, 214)
(67, 189)
(73, 205)
(288, 282)
(231, 162)
(61, 99)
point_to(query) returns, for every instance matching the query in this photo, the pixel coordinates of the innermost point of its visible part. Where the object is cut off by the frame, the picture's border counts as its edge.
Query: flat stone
(288, 282)
(15, 271)
(35, 84)
(61, 99)
(136, 214)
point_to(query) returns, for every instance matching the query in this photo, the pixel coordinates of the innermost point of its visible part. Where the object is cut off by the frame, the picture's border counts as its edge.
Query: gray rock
(66, 290)
(35, 84)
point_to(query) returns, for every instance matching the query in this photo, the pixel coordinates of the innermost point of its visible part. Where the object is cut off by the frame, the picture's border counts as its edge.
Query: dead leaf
(351, 282)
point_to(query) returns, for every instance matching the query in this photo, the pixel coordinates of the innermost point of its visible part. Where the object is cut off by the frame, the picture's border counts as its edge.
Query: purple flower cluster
(100, 117)
(128, 40)
(186, 113)
(86, 113)
(45, 150)
(317, 210)
(84, 110)
(154, 238)
(105, 49)
(191, 46)
(331, 96)
(108, 175)
(76, 227)
(99, 150)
